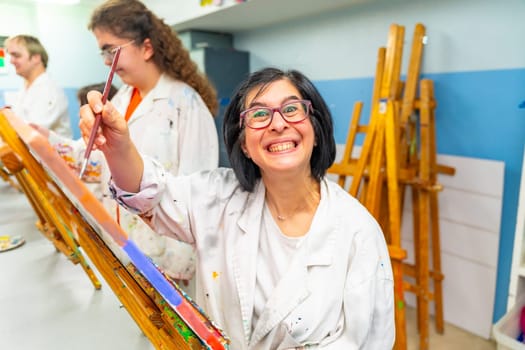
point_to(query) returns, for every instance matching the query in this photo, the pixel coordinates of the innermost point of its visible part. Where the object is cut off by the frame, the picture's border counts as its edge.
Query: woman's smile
(281, 146)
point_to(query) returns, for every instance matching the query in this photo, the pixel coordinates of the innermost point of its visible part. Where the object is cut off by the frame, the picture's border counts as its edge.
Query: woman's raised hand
(113, 132)
(112, 138)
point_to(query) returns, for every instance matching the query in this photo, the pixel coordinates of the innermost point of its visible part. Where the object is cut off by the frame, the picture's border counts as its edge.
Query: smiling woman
(272, 234)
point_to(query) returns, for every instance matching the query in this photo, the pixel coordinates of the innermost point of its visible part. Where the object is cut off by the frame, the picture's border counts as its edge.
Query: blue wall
(478, 115)
(73, 109)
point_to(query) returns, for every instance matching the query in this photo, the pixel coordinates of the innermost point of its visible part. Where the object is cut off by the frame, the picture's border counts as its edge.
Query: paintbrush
(98, 116)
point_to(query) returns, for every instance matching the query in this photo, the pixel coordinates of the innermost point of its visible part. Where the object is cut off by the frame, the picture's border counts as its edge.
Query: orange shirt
(133, 103)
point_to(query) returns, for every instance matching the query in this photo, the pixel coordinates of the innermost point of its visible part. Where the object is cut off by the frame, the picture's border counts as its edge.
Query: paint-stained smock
(337, 292)
(172, 125)
(44, 103)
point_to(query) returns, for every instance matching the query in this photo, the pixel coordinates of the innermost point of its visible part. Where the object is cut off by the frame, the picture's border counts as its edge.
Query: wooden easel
(379, 156)
(67, 208)
(389, 161)
(50, 221)
(4, 173)
(425, 209)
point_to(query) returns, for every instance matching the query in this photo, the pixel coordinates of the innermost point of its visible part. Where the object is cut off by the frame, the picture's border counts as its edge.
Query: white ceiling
(249, 15)
(253, 14)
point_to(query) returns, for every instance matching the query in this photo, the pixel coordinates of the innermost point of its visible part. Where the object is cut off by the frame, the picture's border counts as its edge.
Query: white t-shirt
(276, 251)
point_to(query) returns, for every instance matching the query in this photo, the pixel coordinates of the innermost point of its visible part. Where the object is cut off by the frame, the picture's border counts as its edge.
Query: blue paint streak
(479, 115)
(152, 274)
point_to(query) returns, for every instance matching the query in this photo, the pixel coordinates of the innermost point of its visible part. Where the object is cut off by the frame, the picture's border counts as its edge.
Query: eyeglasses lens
(261, 117)
(109, 53)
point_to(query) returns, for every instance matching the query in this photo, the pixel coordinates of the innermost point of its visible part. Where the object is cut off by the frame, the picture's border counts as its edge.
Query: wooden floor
(48, 303)
(454, 338)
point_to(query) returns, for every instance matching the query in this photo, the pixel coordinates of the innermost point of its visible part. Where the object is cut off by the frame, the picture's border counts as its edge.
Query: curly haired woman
(169, 108)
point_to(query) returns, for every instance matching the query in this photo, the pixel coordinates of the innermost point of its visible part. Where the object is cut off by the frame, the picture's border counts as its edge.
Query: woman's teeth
(281, 147)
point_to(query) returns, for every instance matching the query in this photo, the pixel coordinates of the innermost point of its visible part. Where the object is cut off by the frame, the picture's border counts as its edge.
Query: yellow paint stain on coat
(215, 274)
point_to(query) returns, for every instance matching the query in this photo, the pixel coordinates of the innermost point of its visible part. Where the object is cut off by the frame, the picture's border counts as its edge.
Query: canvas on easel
(166, 315)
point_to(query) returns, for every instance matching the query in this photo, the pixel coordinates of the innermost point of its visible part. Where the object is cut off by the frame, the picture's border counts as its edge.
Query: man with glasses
(41, 101)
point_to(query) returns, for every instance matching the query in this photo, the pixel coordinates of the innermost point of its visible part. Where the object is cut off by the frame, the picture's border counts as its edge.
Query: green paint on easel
(400, 304)
(183, 329)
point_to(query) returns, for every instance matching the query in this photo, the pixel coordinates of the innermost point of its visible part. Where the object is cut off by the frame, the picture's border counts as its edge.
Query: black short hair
(323, 154)
(83, 91)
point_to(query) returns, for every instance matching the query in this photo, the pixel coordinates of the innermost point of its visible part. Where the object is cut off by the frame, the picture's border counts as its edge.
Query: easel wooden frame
(390, 161)
(5, 174)
(380, 155)
(425, 209)
(167, 317)
(49, 220)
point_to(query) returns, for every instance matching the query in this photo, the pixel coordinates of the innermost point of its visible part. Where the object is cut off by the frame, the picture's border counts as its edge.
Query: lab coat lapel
(291, 290)
(142, 110)
(244, 256)
(318, 250)
(160, 91)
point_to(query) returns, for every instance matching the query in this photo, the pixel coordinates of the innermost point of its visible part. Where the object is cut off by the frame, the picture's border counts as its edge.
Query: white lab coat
(172, 125)
(44, 103)
(337, 292)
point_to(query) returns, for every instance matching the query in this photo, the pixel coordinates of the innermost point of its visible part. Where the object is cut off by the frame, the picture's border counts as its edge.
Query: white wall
(177, 11)
(16, 18)
(469, 224)
(465, 35)
(73, 50)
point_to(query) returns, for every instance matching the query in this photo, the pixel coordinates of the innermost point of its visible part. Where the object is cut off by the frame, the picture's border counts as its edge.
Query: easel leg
(423, 271)
(434, 209)
(399, 301)
(436, 264)
(417, 256)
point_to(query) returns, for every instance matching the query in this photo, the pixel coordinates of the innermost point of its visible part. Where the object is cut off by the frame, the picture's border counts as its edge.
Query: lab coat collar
(41, 79)
(291, 291)
(319, 249)
(244, 259)
(320, 242)
(160, 91)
